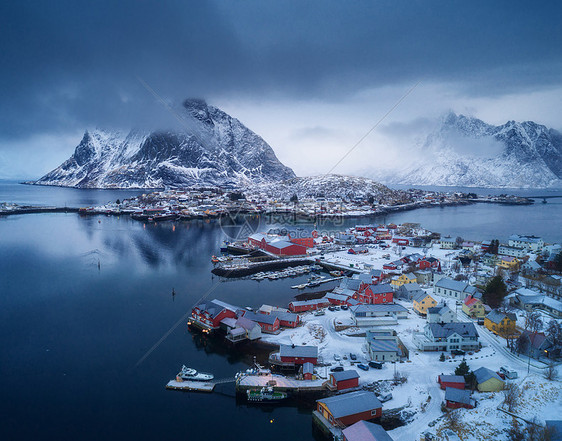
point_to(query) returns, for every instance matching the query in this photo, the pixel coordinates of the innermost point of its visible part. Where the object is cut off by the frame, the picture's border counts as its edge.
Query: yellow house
(404, 279)
(488, 380)
(508, 263)
(501, 323)
(473, 307)
(422, 302)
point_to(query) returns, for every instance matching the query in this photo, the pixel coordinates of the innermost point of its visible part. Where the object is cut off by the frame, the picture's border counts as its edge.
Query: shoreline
(294, 215)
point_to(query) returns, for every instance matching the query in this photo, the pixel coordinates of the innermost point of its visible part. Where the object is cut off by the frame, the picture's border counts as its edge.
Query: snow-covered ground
(374, 258)
(422, 370)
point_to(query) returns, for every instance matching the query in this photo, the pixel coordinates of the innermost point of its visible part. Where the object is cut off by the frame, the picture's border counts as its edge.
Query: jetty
(247, 268)
(197, 386)
(279, 383)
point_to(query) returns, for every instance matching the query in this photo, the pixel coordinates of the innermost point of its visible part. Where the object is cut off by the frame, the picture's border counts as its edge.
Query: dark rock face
(215, 149)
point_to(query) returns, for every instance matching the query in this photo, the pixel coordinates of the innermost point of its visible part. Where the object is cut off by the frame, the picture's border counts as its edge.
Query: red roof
(469, 301)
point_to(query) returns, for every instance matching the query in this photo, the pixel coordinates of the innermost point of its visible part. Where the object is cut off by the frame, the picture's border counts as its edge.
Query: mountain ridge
(216, 149)
(529, 155)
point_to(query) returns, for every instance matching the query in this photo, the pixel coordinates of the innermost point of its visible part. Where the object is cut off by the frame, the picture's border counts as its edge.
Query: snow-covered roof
(298, 351)
(455, 285)
(496, 316)
(382, 307)
(345, 375)
(351, 403)
(458, 395)
(444, 330)
(483, 374)
(366, 431)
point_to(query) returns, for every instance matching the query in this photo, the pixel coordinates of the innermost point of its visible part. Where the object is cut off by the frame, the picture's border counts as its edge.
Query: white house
(447, 337)
(532, 243)
(441, 314)
(452, 288)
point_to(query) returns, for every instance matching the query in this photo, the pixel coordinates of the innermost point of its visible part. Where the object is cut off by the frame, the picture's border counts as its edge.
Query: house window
(373, 412)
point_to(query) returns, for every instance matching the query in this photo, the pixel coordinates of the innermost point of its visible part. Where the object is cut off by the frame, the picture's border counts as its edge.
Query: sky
(310, 77)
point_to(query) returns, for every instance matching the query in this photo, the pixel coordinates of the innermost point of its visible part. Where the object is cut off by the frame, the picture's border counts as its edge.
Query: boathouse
(452, 381)
(288, 319)
(349, 408)
(298, 354)
(309, 305)
(282, 247)
(269, 323)
(208, 315)
(344, 379)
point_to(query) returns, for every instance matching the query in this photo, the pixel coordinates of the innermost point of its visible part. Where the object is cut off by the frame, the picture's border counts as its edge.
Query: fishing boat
(265, 394)
(191, 374)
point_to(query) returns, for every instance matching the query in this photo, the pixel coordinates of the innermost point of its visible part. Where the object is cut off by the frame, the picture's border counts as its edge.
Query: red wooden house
(454, 381)
(309, 305)
(283, 248)
(269, 323)
(344, 379)
(307, 371)
(428, 263)
(402, 241)
(298, 354)
(455, 398)
(288, 319)
(208, 315)
(347, 409)
(304, 239)
(375, 294)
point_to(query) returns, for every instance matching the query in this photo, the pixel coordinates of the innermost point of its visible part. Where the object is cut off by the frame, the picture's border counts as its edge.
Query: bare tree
(537, 432)
(554, 333)
(551, 373)
(533, 321)
(399, 378)
(511, 395)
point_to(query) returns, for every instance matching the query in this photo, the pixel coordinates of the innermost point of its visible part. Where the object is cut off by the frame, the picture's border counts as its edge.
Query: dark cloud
(72, 63)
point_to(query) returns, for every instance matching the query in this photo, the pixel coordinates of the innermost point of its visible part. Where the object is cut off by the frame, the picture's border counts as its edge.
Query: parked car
(383, 398)
(331, 308)
(353, 356)
(363, 366)
(457, 352)
(337, 357)
(508, 373)
(337, 369)
(344, 307)
(320, 312)
(375, 365)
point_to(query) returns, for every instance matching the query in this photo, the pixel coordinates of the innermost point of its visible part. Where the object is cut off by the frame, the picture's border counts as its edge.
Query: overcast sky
(310, 77)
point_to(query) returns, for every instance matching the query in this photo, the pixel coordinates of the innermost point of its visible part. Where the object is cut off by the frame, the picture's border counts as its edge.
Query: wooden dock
(194, 386)
(279, 383)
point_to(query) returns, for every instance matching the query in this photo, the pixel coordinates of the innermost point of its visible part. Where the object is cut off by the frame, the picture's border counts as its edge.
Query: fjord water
(73, 333)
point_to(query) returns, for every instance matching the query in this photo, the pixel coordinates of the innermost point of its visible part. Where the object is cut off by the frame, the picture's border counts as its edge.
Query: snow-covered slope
(329, 186)
(216, 149)
(466, 151)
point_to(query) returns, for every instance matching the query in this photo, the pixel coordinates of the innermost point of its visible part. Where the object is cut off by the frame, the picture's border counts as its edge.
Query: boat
(336, 273)
(191, 374)
(214, 259)
(265, 394)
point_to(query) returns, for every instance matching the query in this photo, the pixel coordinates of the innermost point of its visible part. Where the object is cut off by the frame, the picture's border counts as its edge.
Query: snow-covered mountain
(329, 186)
(216, 149)
(465, 151)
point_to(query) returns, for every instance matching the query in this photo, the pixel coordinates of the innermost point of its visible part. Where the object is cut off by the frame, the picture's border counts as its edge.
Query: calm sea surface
(72, 334)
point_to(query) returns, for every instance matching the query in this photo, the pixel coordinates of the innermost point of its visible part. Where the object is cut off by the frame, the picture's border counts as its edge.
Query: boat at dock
(191, 374)
(265, 394)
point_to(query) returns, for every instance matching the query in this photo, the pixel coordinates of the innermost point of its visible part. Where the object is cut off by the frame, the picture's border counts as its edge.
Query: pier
(249, 268)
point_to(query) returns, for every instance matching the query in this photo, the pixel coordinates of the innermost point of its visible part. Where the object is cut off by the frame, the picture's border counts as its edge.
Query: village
(461, 339)
(215, 202)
